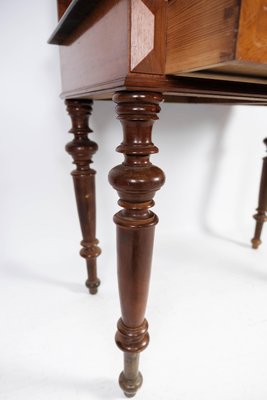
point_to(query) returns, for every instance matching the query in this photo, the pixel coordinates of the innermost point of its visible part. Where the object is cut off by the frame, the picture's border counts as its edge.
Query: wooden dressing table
(139, 52)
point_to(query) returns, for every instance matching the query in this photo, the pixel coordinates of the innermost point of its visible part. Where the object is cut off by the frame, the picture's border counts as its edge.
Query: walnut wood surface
(261, 217)
(81, 148)
(98, 49)
(136, 181)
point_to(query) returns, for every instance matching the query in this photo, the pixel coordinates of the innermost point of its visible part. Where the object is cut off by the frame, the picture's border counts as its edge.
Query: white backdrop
(208, 300)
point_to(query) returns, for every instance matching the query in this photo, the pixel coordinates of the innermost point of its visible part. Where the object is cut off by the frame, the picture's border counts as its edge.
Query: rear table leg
(260, 217)
(81, 148)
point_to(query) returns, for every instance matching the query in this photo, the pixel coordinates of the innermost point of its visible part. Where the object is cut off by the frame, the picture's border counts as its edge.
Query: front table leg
(136, 181)
(81, 148)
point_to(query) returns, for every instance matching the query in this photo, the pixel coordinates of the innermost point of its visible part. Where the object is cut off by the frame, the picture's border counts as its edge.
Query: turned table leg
(136, 181)
(260, 217)
(81, 148)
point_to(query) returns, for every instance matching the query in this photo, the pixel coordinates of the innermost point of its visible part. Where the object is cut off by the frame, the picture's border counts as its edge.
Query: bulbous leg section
(136, 181)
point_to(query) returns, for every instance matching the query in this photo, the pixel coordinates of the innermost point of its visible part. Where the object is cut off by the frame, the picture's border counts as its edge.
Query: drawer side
(200, 34)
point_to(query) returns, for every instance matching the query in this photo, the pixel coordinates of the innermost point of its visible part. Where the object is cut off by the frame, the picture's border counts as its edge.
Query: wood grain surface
(200, 34)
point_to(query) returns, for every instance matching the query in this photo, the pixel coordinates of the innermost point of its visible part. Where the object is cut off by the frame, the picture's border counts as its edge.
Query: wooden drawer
(217, 38)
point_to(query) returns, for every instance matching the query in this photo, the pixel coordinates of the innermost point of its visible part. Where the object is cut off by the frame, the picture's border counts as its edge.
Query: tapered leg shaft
(260, 217)
(136, 181)
(81, 148)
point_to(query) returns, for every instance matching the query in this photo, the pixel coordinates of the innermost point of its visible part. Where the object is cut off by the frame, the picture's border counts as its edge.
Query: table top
(71, 16)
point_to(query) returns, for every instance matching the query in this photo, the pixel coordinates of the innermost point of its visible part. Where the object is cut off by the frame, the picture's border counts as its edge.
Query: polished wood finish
(71, 14)
(83, 62)
(261, 217)
(81, 148)
(138, 52)
(62, 6)
(136, 181)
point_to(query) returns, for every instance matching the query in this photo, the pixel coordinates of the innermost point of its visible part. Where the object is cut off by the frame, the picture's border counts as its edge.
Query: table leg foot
(255, 243)
(130, 379)
(92, 286)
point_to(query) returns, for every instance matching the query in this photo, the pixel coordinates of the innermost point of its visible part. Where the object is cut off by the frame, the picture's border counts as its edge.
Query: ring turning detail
(136, 181)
